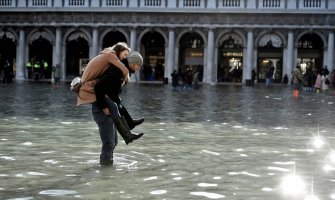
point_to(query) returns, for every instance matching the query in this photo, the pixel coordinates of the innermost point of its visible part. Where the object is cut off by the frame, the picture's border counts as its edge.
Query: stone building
(223, 39)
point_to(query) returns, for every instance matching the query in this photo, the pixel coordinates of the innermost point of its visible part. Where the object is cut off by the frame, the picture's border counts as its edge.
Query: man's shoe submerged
(106, 162)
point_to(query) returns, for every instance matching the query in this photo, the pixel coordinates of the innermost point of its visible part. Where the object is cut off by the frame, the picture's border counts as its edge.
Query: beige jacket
(93, 71)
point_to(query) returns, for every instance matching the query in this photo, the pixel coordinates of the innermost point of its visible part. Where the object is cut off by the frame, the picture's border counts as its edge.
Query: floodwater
(219, 142)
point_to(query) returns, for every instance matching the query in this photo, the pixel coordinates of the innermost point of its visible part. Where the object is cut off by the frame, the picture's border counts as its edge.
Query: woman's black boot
(130, 121)
(123, 128)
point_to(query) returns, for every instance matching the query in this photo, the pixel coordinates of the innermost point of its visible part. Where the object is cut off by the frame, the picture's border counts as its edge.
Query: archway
(230, 59)
(112, 38)
(153, 45)
(270, 54)
(191, 57)
(77, 54)
(7, 40)
(310, 52)
(40, 52)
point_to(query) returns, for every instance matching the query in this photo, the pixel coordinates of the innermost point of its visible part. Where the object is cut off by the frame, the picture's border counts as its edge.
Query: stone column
(58, 47)
(170, 55)
(20, 57)
(330, 56)
(290, 48)
(210, 56)
(63, 69)
(132, 43)
(250, 46)
(94, 47)
(57, 55)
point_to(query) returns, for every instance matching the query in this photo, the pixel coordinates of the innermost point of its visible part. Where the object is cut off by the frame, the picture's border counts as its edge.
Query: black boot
(123, 129)
(130, 121)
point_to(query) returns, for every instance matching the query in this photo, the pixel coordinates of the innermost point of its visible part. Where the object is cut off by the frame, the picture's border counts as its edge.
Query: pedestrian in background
(269, 76)
(285, 80)
(56, 72)
(196, 79)
(325, 82)
(175, 78)
(297, 80)
(8, 73)
(317, 84)
(253, 77)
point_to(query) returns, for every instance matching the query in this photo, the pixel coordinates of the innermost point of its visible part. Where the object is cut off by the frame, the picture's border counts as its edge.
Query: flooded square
(219, 142)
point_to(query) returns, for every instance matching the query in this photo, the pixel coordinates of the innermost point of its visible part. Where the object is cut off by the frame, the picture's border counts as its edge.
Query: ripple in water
(208, 195)
(57, 192)
(158, 192)
(22, 198)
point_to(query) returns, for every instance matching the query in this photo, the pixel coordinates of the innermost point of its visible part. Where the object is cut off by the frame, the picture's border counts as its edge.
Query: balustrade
(76, 2)
(152, 3)
(40, 2)
(191, 3)
(271, 3)
(312, 3)
(231, 3)
(219, 4)
(114, 2)
(5, 2)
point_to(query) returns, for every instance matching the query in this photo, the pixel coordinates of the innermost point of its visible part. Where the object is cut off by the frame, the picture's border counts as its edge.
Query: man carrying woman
(101, 85)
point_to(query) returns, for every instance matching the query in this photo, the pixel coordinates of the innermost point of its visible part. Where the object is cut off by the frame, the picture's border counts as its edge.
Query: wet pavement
(219, 142)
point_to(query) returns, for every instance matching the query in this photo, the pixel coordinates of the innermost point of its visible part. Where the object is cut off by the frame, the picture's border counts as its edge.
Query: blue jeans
(107, 130)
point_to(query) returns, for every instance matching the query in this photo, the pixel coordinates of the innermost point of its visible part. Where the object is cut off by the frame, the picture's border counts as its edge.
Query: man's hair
(119, 47)
(134, 58)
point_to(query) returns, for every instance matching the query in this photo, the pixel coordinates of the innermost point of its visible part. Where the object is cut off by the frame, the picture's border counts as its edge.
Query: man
(109, 85)
(297, 80)
(94, 70)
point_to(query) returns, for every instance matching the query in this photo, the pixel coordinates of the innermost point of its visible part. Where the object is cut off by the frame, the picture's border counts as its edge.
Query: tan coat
(93, 71)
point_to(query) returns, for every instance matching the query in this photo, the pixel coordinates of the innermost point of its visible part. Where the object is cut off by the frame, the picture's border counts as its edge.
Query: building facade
(222, 39)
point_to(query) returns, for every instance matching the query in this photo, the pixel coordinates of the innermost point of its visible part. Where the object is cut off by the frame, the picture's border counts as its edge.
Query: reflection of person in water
(269, 76)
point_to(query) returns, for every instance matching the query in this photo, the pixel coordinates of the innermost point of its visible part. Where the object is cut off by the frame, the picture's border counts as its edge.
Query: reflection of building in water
(228, 36)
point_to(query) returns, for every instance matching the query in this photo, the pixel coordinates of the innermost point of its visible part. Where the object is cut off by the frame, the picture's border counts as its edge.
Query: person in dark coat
(175, 78)
(110, 84)
(8, 73)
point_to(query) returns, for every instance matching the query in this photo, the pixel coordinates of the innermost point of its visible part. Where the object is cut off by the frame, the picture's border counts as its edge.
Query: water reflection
(215, 143)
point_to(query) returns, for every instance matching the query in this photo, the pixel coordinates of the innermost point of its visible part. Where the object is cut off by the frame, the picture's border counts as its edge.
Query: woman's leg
(121, 124)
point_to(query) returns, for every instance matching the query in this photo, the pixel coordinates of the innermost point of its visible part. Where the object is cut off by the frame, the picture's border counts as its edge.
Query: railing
(5, 2)
(76, 2)
(175, 4)
(231, 3)
(114, 2)
(271, 3)
(39, 2)
(191, 3)
(312, 3)
(153, 3)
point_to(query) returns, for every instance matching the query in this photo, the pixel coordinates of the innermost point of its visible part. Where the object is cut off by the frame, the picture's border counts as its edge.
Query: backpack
(75, 85)
(327, 82)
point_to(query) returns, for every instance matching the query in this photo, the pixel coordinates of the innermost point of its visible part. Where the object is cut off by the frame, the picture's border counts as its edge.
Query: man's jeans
(107, 130)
